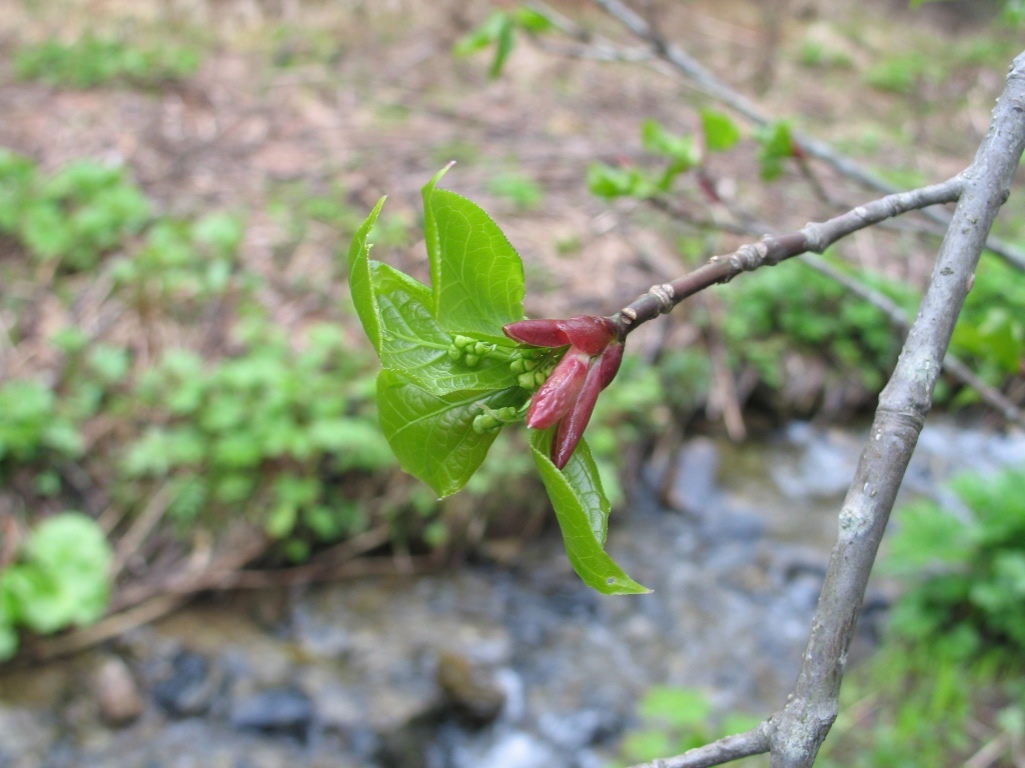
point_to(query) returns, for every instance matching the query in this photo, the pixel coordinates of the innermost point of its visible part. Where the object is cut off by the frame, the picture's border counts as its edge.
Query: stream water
(490, 667)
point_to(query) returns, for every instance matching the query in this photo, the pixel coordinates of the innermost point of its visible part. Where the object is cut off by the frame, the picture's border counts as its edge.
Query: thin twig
(753, 742)
(800, 728)
(712, 86)
(814, 237)
(796, 732)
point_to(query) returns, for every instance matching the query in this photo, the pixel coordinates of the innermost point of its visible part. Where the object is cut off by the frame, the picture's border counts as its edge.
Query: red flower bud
(567, 398)
(559, 392)
(571, 428)
(538, 333)
(588, 333)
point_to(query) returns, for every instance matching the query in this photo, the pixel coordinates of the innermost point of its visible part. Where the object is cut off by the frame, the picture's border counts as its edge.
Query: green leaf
(432, 435)
(62, 578)
(414, 344)
(532, 21)
(582, 511)
(481, 37)
(360, 283)
(721, 133)
(503, 47)
(608, 182)
(675, 707)
(776, 146)
(659, 141)
(476, 274)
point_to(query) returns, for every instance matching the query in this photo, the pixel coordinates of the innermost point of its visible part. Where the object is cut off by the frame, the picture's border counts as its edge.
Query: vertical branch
(801, 727)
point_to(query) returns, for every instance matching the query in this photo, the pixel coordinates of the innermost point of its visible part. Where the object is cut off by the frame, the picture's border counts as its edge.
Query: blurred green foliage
(59, 579)
(673, 720)
(949, 679)
(91, 61)
(73, 216)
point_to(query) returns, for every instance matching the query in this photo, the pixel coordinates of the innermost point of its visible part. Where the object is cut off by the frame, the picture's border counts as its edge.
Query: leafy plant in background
(59, 579)
(799, 308)
(500, 30)
(949, 672)
(92, 61)
(264, 434)
(453, 379)
(673, 720)
(966, 572)
(36, 432)
(73, 216)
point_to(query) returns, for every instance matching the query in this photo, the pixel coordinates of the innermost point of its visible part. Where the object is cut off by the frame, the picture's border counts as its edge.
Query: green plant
(59, 579)
(453, 379)
(178, 263)
(76, 215)
(798, 308)
(522, 191)
(899, 74)
(966, 574)
(673, 720)
(92, 61)
(262, 434)
(677, 155)
(500, 30)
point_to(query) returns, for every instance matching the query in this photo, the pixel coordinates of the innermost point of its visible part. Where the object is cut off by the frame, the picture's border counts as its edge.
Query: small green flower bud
(507, 414)
(472, 361)
(454, 353)
(519, 365)
(526, 380)
(480, 348)
(462, 342)
(486, 423)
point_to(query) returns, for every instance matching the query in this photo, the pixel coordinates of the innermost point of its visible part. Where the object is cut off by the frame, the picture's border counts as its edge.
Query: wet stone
(115, 689)
(280, 712)
(187, 687)
(690, 486)
(471, 689)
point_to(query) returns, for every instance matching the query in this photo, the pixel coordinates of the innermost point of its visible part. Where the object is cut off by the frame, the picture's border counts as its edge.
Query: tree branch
(797, 731)
(801, 727)
(707, 82)
(772, 249)
(729, 748)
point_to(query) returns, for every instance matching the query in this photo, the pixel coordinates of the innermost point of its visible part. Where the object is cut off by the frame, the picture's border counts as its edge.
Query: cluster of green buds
(469, 351)
(491, 420)
(531, 367)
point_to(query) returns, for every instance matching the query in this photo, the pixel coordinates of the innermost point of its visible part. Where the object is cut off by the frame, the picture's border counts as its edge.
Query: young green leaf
(777, 145)
(582, 511)
(396, 312)
(682, 149)
(360, 282)
(433, 435)
(721, 133)
(476, 274)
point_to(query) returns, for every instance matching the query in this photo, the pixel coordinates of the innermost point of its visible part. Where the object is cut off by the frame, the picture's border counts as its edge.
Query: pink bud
(589, 333)
(571, 428)
(538, 333)
(609, 362)
(559, 392)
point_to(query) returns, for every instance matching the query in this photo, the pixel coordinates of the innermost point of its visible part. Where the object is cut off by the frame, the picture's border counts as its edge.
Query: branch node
(749, 257)
(665, 294)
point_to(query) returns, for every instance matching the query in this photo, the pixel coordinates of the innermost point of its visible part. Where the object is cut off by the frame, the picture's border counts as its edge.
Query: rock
(117, 693)
(283, 711)
(472, 690)
(691, 483)
(574, 731)
(188, 686)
